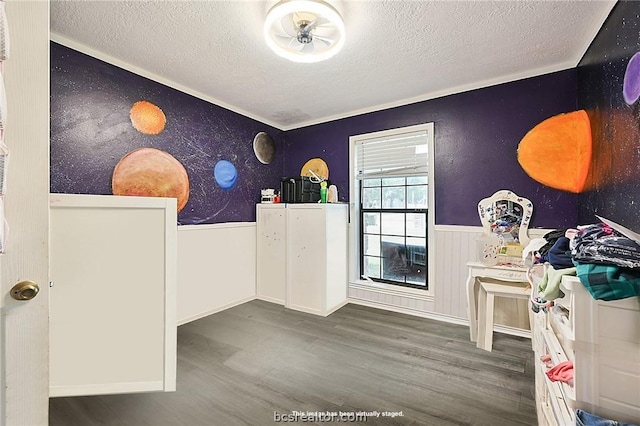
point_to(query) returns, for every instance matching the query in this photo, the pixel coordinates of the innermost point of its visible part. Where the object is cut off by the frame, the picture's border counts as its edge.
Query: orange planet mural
(147, 118)
(150, 172)
(557, 152)
(317, 166)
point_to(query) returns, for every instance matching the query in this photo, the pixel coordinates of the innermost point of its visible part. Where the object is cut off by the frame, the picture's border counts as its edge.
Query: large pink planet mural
(150, 172)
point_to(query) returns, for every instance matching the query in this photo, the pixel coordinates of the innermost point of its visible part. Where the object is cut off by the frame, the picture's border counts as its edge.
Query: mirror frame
(485, 211)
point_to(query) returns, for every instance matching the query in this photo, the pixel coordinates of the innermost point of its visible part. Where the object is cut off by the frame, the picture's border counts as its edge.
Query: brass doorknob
(25, 290)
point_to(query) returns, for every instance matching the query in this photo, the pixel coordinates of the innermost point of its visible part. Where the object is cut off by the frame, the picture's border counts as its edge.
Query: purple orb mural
(225, 174)
(631, 86)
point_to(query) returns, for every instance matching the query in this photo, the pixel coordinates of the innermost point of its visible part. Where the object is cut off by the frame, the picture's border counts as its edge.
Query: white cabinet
(302, 256)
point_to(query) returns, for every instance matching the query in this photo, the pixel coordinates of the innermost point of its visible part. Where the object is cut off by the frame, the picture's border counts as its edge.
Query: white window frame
(354, 220)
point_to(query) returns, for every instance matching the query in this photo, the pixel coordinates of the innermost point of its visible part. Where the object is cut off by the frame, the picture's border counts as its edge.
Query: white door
(24, 329)
(24, 332)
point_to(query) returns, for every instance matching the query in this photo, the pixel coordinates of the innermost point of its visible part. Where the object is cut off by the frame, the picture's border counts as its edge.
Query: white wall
(216, 268)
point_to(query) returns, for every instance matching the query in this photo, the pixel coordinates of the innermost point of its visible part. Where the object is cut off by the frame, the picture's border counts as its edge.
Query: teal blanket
(609, 282)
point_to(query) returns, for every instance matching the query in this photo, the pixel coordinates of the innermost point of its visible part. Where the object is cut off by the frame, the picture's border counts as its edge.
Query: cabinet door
(307, 258)
(271, 251)
(337, 256)
(113, 300)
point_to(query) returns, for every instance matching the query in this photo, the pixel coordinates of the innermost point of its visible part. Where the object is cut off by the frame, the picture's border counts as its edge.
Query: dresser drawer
(558, 396)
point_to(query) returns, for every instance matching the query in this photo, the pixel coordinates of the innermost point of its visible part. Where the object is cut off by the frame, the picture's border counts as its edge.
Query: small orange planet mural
(149, 172)
(557, 152)
(147, 118)
(317, 166)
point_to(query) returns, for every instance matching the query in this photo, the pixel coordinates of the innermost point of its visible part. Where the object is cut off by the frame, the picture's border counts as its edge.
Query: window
(391, 197)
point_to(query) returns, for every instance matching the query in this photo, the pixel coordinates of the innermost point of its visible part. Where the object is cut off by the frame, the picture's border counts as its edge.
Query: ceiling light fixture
(304, 30)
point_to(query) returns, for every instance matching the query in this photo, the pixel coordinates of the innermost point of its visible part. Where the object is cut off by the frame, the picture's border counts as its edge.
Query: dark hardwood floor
(240, 366)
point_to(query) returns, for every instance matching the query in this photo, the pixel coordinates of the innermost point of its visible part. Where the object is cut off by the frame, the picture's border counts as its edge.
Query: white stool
(488, 292)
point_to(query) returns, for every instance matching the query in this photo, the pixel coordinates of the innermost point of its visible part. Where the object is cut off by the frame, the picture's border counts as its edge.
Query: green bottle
(323, 192)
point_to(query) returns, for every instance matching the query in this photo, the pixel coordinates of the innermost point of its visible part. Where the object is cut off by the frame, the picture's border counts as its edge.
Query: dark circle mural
(264, 148)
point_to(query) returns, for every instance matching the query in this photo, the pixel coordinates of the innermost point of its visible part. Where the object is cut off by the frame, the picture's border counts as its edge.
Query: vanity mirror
(506, 216)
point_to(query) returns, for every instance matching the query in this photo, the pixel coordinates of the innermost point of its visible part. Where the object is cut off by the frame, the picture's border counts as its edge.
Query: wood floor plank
(242, 365)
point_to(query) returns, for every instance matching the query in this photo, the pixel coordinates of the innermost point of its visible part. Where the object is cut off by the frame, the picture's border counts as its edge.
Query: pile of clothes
(606, 262)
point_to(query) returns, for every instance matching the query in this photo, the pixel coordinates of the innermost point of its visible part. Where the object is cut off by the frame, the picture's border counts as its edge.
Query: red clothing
(562, 372)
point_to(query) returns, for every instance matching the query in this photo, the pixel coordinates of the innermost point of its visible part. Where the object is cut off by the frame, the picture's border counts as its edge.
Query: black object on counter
(299, 189)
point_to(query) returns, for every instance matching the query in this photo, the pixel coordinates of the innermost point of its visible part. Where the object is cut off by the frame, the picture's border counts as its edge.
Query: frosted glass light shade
(276, 36)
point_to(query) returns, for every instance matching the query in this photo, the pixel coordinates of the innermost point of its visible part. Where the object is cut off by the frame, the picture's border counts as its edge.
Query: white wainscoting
(447, 301)
(216, 268)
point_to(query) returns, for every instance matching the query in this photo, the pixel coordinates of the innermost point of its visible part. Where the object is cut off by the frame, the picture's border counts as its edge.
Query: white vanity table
(505, 218)
(502, 272)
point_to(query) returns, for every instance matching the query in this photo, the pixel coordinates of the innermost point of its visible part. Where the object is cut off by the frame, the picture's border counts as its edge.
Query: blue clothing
(584, 418)
(560, 254)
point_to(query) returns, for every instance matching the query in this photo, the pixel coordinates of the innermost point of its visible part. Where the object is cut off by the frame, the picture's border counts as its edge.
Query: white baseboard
(335, 308)
(422, 314)
(439, 317)
(215, 310)
(270, 300)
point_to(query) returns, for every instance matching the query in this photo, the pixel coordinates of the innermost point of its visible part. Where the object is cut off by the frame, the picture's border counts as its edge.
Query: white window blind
(404, 154)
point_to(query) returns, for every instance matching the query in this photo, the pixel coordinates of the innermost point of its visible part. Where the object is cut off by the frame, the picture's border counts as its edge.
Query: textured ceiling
(396, 52)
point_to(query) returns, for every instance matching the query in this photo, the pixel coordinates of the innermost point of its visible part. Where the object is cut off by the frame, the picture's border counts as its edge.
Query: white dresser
(603, 341)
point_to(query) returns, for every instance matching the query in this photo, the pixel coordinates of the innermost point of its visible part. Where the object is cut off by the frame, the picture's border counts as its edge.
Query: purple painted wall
(91, 131)
(614, 176)
(476, 139)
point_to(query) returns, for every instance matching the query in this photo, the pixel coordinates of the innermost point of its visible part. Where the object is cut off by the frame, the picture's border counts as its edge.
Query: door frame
(24, 334)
